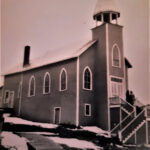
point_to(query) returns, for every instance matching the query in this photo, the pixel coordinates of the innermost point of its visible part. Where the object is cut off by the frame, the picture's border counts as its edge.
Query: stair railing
(124, 122)
(128, 118)
(132, 124)
(127, 105)
(119, 101)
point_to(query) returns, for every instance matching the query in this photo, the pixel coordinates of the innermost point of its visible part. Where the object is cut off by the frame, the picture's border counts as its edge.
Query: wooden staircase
(130, 124)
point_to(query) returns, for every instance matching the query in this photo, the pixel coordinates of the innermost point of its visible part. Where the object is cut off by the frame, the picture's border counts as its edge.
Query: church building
(86, 86)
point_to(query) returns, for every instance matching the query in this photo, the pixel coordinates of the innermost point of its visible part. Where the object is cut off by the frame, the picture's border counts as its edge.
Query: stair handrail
(122, 121)
(126, 116)
(132, 120)
(127, 103)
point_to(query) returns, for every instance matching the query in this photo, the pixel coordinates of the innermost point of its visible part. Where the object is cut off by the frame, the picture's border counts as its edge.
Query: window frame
(119, 55)
(85, 108)
(5, 102)
(116, 87)
(29, 88)
(60, 80)
(54, 112)
(45, 75)
(91, 76)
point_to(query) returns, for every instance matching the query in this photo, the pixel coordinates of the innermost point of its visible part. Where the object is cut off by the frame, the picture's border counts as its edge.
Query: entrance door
(57, 115)
(11, 100)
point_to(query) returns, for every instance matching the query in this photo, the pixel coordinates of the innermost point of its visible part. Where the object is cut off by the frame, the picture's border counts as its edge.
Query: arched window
(87, 79)
(31, 86)
(63, 80)
(116, 62)
(46, 83)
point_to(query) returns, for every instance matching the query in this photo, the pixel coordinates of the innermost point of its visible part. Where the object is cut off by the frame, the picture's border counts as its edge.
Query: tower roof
(106, 8)
(105, 5)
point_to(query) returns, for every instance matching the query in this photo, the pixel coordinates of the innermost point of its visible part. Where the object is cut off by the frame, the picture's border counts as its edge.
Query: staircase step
(133, 132)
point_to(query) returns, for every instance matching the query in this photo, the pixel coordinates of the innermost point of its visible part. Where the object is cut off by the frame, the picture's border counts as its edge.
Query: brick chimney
(26, 61)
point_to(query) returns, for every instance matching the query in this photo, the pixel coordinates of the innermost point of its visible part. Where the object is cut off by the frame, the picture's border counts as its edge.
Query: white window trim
(63, 69)
(47, 73)
(89, 110)
(32, 77)
(5, 96)
(54, 114)
(113, 56)
(91, 75)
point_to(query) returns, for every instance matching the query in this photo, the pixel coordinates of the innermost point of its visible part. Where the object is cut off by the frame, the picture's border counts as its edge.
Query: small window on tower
(116, 61)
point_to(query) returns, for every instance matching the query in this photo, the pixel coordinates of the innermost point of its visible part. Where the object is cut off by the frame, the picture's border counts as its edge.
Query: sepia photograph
(74, 75)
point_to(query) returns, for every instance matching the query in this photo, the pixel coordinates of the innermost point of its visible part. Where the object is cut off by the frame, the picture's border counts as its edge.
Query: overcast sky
(47, 25)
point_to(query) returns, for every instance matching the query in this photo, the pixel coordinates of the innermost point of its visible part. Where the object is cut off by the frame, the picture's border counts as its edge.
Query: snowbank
(96, 130)
(16, 120)
(75, 143)
(12, 141)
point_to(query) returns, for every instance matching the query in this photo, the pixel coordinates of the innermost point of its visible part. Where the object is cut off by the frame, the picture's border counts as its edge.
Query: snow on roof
(52, 57)
(105, 5)
(16, 120)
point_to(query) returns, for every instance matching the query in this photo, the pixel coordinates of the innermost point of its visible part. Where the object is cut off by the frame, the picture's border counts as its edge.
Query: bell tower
(106, 12)
(109, 60)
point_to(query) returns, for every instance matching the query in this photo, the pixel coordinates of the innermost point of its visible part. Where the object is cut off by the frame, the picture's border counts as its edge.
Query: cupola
(106, 12)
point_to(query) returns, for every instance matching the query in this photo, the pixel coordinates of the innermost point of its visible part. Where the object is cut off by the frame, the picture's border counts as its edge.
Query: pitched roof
(105, 5)
(52, 57)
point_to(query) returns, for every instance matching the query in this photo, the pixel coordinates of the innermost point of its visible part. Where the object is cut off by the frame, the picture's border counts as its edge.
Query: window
(116, 87)
(116, 62)
(87, 79)
(87, 110)
(63, 80)
(32, 86)
(6, 97)
(46, 83)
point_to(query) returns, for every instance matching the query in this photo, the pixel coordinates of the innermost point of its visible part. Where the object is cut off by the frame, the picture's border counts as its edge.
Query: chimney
(26, 56)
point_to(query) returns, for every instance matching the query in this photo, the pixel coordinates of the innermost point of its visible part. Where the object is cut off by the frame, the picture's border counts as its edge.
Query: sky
(47, 25)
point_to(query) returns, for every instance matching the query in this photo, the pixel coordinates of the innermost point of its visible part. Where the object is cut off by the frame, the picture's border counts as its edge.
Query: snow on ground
(75, 143)
(13, 142)
(16, 120)
(96, 130)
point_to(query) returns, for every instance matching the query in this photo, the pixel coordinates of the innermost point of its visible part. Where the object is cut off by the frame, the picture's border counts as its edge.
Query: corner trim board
(107, 64)
(77, 91)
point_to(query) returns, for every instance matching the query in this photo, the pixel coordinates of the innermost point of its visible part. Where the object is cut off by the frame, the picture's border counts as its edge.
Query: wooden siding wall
(115, 37)
(100, 81)
(87, 96)
(41, 106)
